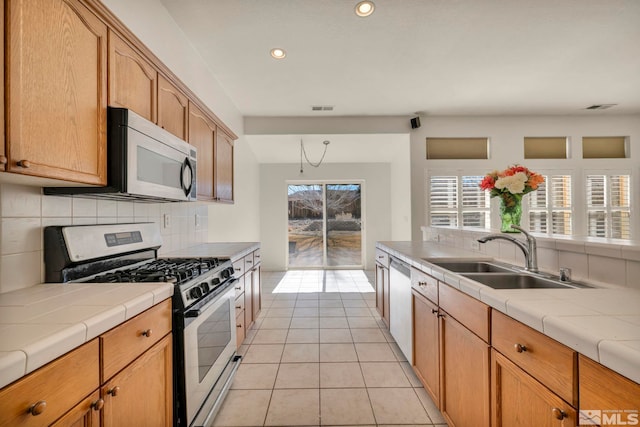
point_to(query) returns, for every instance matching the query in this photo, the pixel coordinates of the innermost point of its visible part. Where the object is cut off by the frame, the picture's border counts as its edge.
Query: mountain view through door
(325, 225)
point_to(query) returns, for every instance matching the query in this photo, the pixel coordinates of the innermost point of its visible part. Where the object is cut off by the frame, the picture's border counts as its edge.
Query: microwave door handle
(186, 187)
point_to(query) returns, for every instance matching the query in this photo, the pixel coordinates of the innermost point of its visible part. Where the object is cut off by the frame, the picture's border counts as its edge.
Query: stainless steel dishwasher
(401, 324)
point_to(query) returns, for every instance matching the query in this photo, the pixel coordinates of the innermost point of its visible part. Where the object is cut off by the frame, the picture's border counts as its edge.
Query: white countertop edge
(13, 365)
(617, 356)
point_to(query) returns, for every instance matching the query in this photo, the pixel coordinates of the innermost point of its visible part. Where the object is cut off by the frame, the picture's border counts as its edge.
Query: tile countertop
(600, 323)
(233, 250)
(40, 323)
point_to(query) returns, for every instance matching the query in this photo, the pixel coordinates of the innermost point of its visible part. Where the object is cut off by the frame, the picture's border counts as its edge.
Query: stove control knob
(225, 273)
(205, 287)
(230, 270)
(195, 292)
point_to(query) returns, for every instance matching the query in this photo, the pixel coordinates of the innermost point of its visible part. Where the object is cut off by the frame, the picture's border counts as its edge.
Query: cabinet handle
(238, 269)
(3, 160)
(238, 288)
(434, 311)
(238, 326)
(423, 284)
(520, 348)
(249, 262)
(441, 315)
(24, 164)
(98, 405)
(558, 414)
(380, 256)
(238, 307)
(114, 391)
(147, 333)
(38, 407)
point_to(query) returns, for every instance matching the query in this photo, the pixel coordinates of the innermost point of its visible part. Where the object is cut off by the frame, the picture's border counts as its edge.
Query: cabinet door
(426, 348)
(223, 168)
(141, 394)
(379, 290)
(202, 134)
(57, 66)
(517, 399)
(3, 157)
(385, 293)
(133, 81)
(248, 298)
(257, 293)
(173, 108)
(465, 375)
(240, 329)
(84, 414)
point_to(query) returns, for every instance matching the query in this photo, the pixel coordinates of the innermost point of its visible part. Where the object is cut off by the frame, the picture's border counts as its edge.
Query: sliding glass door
(325, 225)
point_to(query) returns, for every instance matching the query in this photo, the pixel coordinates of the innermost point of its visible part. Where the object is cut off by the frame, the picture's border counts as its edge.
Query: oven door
(160, 170)
(209, 345)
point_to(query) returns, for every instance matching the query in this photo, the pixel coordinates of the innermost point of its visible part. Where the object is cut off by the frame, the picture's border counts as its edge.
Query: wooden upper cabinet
(133, 81)
(223, 168)
(173, 108)
(56, 54)
(3, 157)
(202, 134)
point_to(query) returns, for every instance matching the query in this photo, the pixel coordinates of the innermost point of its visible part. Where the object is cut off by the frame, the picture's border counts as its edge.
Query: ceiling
(435, 57)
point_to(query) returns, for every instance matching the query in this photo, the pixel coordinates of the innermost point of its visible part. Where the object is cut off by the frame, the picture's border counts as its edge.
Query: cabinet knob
(238, 326)
(249, 262)
(24, 164)
(423, 284)
(434, 311)
(238, 288)
(98, 405)
(3, 160)
(238, 307)
(147, 333)
(238, 269)
(558, 414)
(114, 391)
(520, 348)
(38, 407)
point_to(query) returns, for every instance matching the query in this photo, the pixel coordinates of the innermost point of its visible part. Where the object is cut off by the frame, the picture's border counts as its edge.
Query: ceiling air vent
(322, 108)
(600, 106)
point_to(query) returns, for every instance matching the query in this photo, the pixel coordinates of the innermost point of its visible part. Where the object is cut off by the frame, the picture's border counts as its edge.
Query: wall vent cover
(600, 106)
(322, 108)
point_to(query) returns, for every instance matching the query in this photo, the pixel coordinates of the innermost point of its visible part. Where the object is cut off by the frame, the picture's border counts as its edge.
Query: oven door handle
(198, 311)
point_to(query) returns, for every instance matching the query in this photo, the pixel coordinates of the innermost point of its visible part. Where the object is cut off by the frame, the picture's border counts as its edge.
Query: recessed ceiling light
(365, 8)
(278, 53)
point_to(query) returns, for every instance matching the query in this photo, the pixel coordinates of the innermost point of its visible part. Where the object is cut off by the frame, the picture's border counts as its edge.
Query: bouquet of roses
(511, 184)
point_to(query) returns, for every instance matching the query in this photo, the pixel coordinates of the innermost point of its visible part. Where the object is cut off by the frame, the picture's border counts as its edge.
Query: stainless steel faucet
(529, 249)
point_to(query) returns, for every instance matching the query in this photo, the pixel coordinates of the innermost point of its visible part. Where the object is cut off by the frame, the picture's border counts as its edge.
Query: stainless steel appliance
(144, 162)
(400, 327)
(203, 303)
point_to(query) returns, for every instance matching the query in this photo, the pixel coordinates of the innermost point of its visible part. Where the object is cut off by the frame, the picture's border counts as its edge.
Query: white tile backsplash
(608, 270)
(24, 211)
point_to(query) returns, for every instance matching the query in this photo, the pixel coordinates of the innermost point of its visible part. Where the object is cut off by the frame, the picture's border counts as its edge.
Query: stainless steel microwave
(144, 162)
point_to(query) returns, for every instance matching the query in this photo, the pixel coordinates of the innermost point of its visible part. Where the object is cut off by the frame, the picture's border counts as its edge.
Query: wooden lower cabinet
(426, 347)
(464, 358)
(256, 302)
(84, 414)
(248, 298)
(382, 292)
(518, 399)
(141, 394)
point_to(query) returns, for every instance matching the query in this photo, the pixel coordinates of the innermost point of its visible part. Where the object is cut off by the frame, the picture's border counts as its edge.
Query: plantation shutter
(596, 204)
(550, 206)
(609, 206)
(475, 203)
(620, 207)
(443, 201)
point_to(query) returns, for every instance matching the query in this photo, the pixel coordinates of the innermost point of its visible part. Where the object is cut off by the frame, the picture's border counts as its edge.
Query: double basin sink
(500, 276)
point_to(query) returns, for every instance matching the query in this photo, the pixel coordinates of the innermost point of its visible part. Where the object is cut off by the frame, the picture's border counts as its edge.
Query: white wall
(506, 135)
(273, 201)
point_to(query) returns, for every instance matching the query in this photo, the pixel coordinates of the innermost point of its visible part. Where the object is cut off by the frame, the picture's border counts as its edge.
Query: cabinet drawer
(240, 329)
(124, 343)
(248, 262)
(256, 257)
(424, 284)
(239, 286)
(239, 304)
(382, 257)
(60, 384)
(621, 392)
(473, 314)
(238, 267)
(545, 359)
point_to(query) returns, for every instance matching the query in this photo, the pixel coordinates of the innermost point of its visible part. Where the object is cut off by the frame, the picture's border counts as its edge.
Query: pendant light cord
(304, 152)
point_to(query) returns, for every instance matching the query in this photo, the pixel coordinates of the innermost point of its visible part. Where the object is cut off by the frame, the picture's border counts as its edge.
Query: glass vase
(510, 212)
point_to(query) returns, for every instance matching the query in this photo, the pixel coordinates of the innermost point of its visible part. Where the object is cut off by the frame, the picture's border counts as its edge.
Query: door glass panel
(344, 227)
(306, 226)
(213, 336)
(158, 169)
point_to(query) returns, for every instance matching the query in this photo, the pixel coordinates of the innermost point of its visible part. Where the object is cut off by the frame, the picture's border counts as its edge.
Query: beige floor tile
(332, 312)
(338, 353)
(350, 303)
(307, 303)
(351, 295)
(298, 375)
(304, 323)
(345, 406)
(279, 312)
(330, 296)
(308, 296)
(411, 376)
(362, 322)
(396, 350)
(384, 374)
(305, 312)
(283, 304)
(236, 412)
(397, 406)
(331, 303)
(335, 336)
(368, 335)
(341, 375)
(270, 336)
(263, 353)
(302, 336)
(333, 322)
(432, 410)
(252, 376)
(357, 312)
(375, 352)
(293, 408)
(294, 353)
(275, 323)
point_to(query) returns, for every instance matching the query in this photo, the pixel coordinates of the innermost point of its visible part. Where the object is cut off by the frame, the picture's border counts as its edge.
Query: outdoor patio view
(314, 243)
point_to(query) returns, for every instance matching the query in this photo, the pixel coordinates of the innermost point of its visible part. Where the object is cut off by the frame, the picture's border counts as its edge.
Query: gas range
(204, 327)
